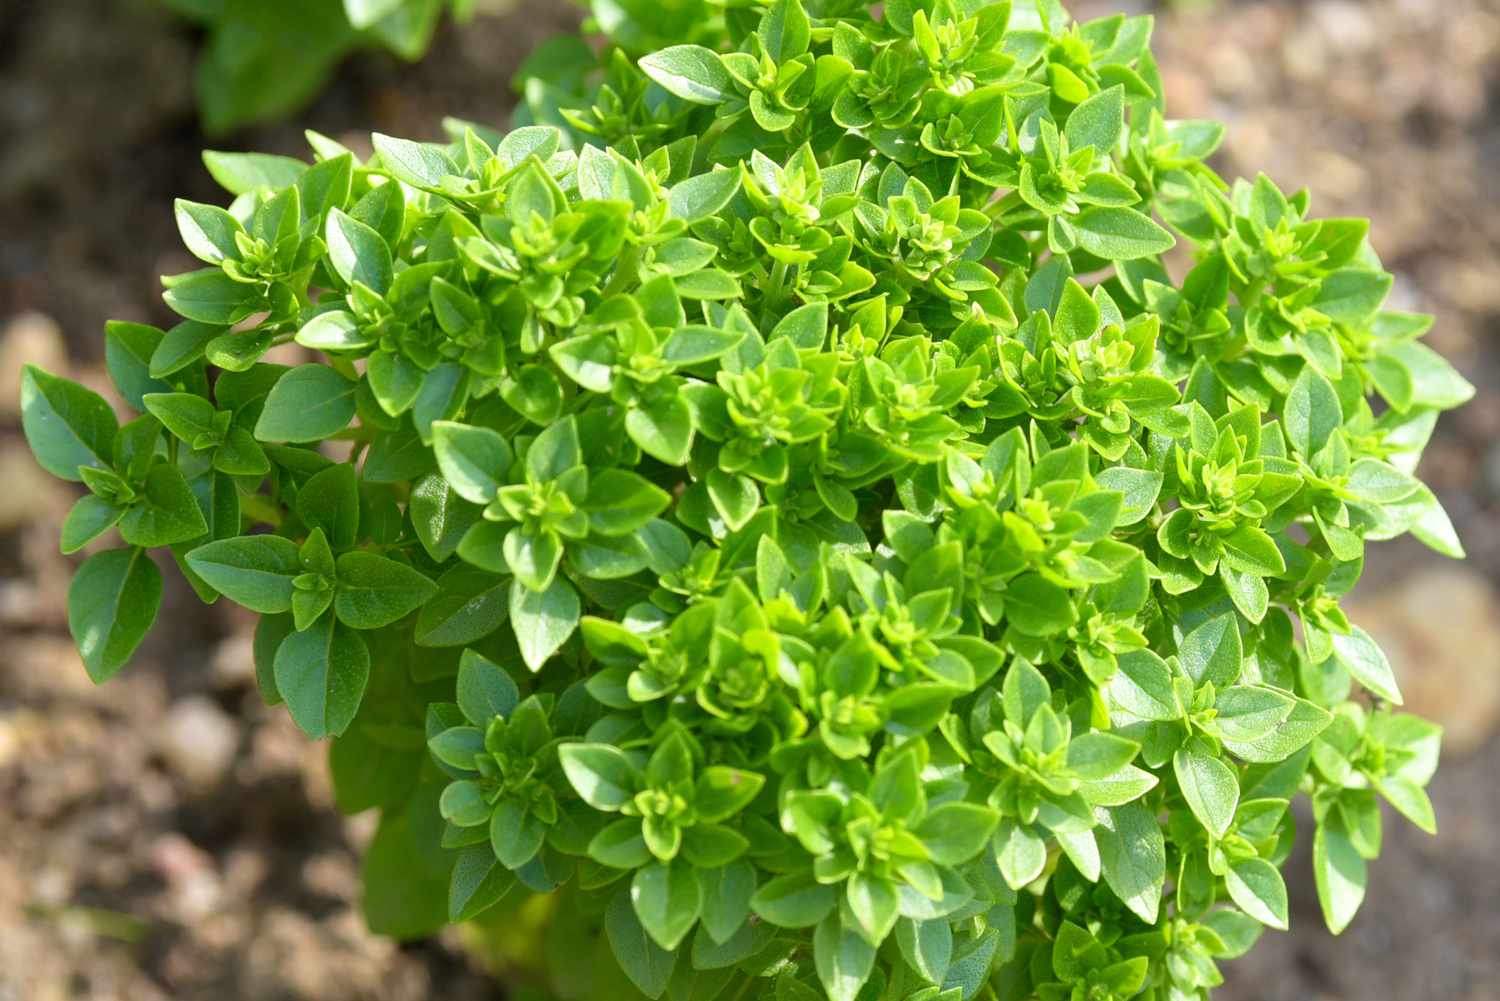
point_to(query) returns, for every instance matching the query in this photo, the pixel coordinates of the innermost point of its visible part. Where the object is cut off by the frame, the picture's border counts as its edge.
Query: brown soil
(167, 837)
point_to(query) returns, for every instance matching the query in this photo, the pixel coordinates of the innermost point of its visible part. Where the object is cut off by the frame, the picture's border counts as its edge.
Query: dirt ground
(166, 837)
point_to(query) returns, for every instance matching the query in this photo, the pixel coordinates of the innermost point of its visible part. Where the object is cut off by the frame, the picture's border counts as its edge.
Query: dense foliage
(266, 58)
(783, 505)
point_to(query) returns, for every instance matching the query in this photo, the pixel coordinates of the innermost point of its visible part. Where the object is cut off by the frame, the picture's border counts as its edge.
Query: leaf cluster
(782, 502)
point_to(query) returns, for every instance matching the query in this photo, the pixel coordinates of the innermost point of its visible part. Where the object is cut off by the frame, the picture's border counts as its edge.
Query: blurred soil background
(167, 837)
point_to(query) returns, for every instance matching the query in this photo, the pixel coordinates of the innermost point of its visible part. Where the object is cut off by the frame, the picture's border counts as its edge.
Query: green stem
(773, 297)
(744, 986)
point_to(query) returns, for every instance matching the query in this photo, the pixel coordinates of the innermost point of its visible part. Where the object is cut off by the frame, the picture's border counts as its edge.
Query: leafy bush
(266, 58)
(791, 513)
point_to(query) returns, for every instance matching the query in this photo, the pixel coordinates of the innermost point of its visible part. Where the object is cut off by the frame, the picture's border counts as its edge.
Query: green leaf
(873, 903)
(784, 31)
(619, 502)
(1133, 856)
(479, 882)
(1099, 755)
(1210, 787)
(322, 673)
(165, 512)
(843, 959)
(1143, 686)
(555, 451)
(647, 964)
(696, 343)
(440, 517)
(1352, 295)
(329, 501)
(1362, 657)
(254, 570)
(243, 173)
(211, 296)
(1256, 886)
(474, 460)
(336, 330)
(484, 689)
(406, 873)
(668, 898)
(954, 832)
(1212, 652)
(793, 900)
(1120, 234)
(691, 72)
(516, 833)
(1098, 121)
(89, 518)
(112, 602)
(543, 620)
(703, 196)
(308, 403)
(419, 164)
(182, 346)
(927, 947)
(1340, 874)
(208, 231)
(726, 898)
(128, 348)
(721, 792)
(1312, 412)
(357, 252)
(66, 425)
(469, 605)
(1036, 606)
(663, 429)
(601, 773)
(1250, 550)
(374, 592)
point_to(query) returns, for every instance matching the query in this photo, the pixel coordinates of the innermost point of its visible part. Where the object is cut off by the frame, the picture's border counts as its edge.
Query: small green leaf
(244, 173)
(66, 425)
(254, 570)
(1120, 234)
(691, 72)
(374, 591)
(647, 964)
(418, 164)
(1098, 121)
(1209, 786)
(308, 403)
(478, 883)
(1312, 412)
(211, 296)
(1362, 657)
(703, 195)
(543, 620)
(601, 773)
(357, 252)
(1340, 874)
(668, 898)
(1256, 886)
(111, 604)
(843, 959)
(322, 673)
(208, 231)
(1212, 652)
(1133, 855)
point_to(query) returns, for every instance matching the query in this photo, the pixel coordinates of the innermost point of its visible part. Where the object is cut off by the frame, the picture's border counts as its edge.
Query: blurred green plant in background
(266, 58)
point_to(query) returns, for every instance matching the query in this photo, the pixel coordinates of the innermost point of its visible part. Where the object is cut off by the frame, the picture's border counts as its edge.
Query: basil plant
(845, 506)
